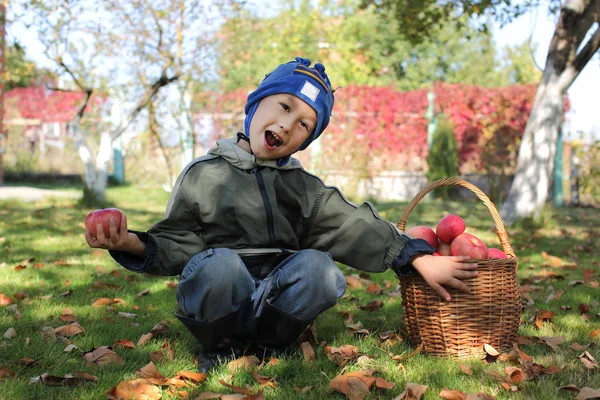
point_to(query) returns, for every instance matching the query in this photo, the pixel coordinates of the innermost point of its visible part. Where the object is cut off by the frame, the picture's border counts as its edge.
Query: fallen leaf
(514, 374)
(355, 385)
(383, 384)
(342, 355)
(6, 373)
(466, 369)
(236, 389)
(149, 371)
(243, 363)
(137, 389)
(412, 391)
(452, 394)
(588, 361)
(126, 315)
(308, 352)
(10, 333)
(353, 283)
(143, 293)
(104, 301)
(553, 341)
(264, 380)
(195, 377)
(587, 393)
(48, 333)
(543, 316)
(70, 348)
(69, 330)
(102, 356)
(67, 380)
(124, 343)
(144, 338)
(4, 300)
(372, 306)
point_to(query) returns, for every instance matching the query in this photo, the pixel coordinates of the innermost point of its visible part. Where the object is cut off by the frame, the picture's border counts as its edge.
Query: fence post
(558, 172)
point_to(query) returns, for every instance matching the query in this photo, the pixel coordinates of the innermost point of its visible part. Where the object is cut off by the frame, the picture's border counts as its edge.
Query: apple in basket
(424, 232)
(444, 249)
(495, 253)
(450, 227)
(466, 244)
(102, 217)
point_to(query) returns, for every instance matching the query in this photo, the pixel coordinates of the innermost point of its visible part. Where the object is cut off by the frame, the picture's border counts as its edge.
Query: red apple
(466, 244)
(444, 249)
(103, 217)
(495, 253)
(450, 227)
(424, 232)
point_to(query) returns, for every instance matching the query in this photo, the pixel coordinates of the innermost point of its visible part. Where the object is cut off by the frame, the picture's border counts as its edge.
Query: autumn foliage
(389, 127)
(42, 104)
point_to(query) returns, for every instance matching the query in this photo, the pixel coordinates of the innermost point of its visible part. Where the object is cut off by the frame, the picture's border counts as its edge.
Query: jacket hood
(240, 158)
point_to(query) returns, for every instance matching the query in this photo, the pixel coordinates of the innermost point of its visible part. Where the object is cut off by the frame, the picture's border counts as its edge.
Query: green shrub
(443, 156)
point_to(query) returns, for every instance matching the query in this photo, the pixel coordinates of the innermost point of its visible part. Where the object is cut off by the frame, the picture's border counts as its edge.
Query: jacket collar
(240, 158)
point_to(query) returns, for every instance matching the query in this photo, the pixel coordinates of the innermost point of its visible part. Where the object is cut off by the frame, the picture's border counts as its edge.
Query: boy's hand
(119, 240)
(442, 270)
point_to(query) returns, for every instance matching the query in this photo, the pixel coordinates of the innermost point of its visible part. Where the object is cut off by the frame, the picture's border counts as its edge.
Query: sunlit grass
(64, 270)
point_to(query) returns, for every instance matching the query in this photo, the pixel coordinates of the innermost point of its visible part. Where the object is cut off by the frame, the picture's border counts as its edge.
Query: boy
(254, 236)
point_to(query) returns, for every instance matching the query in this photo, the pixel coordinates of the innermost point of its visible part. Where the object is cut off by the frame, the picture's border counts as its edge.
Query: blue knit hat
(299, 79)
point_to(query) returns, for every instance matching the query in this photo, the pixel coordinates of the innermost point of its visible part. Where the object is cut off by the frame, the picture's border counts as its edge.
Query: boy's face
(281, 123)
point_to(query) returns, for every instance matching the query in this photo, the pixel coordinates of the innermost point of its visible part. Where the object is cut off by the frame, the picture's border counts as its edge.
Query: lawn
(49, 278)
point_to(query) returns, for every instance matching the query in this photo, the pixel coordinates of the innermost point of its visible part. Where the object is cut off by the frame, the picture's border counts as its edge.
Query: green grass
(52, 230)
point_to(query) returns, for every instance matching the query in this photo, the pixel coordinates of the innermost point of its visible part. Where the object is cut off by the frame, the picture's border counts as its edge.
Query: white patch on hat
(310, 91)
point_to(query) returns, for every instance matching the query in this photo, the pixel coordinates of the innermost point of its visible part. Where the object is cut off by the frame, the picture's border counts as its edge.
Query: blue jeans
(216, 283)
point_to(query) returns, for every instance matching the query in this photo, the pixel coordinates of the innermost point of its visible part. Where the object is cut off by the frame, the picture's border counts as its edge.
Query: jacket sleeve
(355, 236)
(170, 243)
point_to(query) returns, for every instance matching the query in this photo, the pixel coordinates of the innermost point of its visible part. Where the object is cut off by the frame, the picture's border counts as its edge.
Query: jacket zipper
(263, 192)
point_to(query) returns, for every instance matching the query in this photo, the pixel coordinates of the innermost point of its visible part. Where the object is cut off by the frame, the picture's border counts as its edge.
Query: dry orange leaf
(101, 356)
(355, 385)
(588, 361)
(264, 380)
(124, 343)
(104, 301)
(144, 338)
(137, 390)
(308, 351)
(143, 292)
(353, 282)
(149, 371)
(587, 393)
(553, 341)
(236, 389)
(245, 362)
(6, 373)
(342, 355)
(452, 394)
(196, 377)
(383, 384)
(412, 391)
(466, 369)
(514, 374)
(69, 330)
(5, 300)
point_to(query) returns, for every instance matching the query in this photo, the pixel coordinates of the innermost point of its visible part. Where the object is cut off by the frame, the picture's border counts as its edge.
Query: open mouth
(272, 139)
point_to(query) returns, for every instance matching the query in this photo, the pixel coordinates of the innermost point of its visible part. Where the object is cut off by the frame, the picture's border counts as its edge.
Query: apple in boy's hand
(103, 217)
(495, 253)
(450, 227)
(424, 232)
(466, 244)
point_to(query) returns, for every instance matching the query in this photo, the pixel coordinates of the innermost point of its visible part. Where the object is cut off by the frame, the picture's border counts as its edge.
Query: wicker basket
(490, 314)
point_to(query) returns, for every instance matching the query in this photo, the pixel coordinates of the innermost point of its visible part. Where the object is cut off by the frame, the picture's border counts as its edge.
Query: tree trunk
(564, 62)
(102, 166)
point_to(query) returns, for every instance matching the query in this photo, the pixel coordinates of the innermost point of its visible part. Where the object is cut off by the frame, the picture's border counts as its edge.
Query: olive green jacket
(230, 199)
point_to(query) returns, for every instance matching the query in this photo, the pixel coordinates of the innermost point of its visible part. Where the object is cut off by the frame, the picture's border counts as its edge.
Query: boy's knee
(214, 264)
(324, 274)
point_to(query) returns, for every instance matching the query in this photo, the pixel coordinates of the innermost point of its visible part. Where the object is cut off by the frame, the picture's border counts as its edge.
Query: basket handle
(501, 231)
